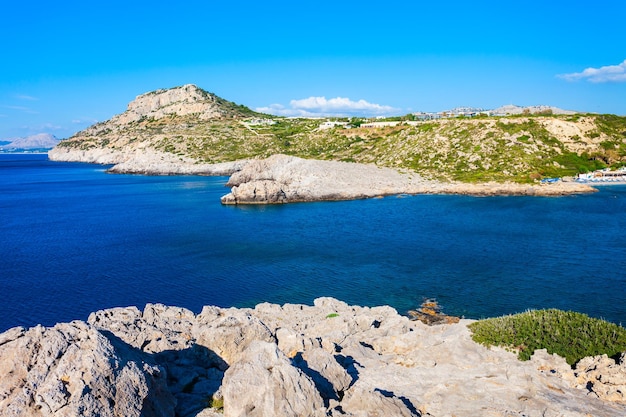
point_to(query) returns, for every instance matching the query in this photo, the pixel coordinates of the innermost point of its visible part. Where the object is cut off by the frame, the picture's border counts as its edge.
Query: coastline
(601, 183)
(287, 179)
(345, 359)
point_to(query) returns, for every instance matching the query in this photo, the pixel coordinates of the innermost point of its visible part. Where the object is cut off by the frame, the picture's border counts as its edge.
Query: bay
(74, 239)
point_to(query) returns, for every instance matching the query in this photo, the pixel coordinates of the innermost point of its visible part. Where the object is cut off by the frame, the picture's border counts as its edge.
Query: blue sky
(67, 64)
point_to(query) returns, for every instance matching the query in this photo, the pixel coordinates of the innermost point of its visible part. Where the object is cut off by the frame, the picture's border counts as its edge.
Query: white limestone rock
(603, 377)
(330, 378)
(375, 403)
(184, 100)
(328, 359)
(283, 178)
(229, 332)
(73, 369)
(288, 179)
(264, 383)
(144, 161)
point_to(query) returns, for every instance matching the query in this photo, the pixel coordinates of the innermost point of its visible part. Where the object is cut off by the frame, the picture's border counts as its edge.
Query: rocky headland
(289, 179)
(329, 359)
(146, 162)
(188, 131)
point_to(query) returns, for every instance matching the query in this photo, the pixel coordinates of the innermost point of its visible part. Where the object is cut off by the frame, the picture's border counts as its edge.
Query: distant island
(39, 143)
(186, 130)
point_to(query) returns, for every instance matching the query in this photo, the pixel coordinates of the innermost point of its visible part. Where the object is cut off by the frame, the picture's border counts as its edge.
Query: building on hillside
(329, 125)
(257, 122)
(380, 124)
(426, 115)
(604, 175)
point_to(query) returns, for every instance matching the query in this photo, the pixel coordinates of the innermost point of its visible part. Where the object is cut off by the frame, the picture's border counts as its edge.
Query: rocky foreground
(330, 359)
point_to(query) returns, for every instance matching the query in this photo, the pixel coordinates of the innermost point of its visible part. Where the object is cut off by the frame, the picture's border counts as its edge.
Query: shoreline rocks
(288, 179)
(328, 359)
(145, 161)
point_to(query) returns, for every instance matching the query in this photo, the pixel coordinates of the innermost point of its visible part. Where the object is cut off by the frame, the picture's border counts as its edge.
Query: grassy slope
(512, 148)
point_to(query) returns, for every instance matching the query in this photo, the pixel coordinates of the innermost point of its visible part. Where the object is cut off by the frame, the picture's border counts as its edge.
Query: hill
(189, 126)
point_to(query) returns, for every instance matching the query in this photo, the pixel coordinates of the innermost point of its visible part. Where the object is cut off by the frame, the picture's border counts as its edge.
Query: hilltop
(186, 129)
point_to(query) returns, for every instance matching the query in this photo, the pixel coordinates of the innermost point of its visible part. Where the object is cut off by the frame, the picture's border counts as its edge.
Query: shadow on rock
(405, 401)
(193, 374)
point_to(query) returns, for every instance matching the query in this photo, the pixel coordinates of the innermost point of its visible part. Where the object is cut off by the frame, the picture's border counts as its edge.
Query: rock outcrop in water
(330, 359)
(288, 179)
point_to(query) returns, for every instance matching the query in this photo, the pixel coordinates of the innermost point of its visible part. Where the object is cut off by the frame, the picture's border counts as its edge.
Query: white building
(329, 125)
(380, 124)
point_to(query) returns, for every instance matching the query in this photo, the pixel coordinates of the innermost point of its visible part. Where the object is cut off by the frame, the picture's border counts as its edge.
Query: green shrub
(215, 403)
(568, 334)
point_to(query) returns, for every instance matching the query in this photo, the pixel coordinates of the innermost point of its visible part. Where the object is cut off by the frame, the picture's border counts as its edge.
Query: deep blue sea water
(74, 239)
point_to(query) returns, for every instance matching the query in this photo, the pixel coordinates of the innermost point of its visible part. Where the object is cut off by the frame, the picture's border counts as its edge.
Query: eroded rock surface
(329, 359)
(73, 369)
(603, 376)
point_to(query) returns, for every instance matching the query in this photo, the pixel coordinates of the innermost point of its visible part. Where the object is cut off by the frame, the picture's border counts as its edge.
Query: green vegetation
(523, 148)
(568, 334)
(215, 403)
(611, 124)
(572, 163)
(332, 315)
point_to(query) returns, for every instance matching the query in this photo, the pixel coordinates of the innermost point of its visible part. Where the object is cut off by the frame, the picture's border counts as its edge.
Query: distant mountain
(511, 109)
(40, 141)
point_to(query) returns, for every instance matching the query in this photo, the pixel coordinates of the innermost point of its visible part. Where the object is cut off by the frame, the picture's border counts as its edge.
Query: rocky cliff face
(180, 101)
(329, 359)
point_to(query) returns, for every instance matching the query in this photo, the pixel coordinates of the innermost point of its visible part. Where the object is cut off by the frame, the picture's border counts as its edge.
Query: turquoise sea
(74, 239)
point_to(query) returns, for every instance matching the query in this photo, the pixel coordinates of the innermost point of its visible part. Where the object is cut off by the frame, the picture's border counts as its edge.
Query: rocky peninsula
(288, 179)
(186, 130)
(329, 359)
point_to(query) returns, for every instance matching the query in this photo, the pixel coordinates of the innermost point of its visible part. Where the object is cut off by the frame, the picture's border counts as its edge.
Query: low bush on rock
(568, 334)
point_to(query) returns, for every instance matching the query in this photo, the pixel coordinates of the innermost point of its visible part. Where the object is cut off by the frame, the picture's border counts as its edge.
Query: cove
(75, 239)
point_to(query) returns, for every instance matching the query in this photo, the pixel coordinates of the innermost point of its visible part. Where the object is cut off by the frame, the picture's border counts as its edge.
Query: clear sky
(67, 64)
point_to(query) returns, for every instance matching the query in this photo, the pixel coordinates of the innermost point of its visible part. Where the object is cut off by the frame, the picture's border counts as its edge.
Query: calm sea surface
(74, 239)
